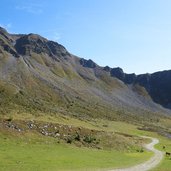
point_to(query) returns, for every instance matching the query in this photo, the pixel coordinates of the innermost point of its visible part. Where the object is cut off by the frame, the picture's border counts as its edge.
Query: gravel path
(151, 163)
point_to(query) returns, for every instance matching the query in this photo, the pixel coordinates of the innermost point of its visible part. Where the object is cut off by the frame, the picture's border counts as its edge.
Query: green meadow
(31, 151)
(39, 153)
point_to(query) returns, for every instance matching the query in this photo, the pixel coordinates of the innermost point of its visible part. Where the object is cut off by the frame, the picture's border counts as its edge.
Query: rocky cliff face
(157, 84)
(38, 74)
(27, 44)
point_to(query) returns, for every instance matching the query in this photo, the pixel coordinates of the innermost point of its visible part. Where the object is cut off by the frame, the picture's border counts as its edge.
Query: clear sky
(132, 34)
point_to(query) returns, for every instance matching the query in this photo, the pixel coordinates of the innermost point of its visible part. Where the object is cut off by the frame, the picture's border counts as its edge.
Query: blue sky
(132, 34)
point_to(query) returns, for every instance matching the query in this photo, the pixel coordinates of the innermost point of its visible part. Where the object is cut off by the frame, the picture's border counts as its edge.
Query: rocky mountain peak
(27, 44)
(107, 69)
(35, 37)
(21, 45)
(31, 43)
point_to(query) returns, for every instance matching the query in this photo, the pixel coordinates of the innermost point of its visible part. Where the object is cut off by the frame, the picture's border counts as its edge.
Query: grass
(165, 165)
(31, 152)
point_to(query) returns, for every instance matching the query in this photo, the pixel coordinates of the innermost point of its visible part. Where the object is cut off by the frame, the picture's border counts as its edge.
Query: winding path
(151, 163)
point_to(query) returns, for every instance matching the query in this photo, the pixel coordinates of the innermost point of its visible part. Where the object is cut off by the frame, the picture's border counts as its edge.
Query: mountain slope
(41, 75)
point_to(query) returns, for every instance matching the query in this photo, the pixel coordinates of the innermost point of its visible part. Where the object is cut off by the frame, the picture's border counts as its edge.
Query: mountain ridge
(38, 74)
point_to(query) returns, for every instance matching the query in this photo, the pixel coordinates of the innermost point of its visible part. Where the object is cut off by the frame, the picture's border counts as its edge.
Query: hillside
(41, 75)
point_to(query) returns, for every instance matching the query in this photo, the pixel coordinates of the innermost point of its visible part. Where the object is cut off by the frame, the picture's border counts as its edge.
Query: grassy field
(31, 152)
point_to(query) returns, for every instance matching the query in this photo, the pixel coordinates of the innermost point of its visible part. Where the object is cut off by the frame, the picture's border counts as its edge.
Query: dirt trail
(151, 163)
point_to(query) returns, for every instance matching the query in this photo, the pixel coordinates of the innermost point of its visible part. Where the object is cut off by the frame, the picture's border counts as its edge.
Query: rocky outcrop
(130, 78)
(87, 63)
(107, 69)
(27, 44)
(4, 34)
(158, 84)
(118, 73)
(6, 42)
(57, 49)
(31, 43)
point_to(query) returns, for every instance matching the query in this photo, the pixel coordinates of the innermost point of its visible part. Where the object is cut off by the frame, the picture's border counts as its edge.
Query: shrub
(77, 137)
(88, 139)
(69, 140)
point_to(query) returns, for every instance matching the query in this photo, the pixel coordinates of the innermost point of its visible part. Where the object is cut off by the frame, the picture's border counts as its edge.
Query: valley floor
(31, 150)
